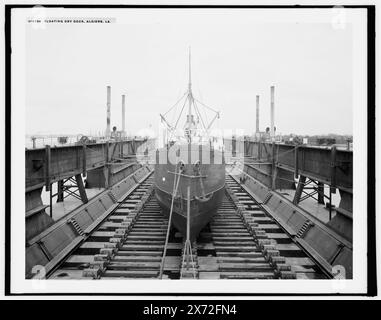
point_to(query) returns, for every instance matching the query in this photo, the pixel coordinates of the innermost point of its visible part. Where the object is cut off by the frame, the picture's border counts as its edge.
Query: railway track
(241, 242)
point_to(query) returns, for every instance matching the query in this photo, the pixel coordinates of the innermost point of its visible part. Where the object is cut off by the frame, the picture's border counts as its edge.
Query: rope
(206, 106)
(175, 187)
(175, 104)
(175, 127)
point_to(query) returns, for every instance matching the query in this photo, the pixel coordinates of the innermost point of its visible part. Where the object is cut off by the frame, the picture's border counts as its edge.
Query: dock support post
(81, 188)
(50, 201)
(296, 172)
(273, 167)
(106, 168)
(84, 160)
(320, 188)
(333, 169)
(47, 168)
(34, 142)
(299, 189)
(60, 191)
(259, 150)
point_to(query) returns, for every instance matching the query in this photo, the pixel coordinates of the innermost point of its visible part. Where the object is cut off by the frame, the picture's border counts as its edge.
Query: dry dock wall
(63, 236)
(325, 245)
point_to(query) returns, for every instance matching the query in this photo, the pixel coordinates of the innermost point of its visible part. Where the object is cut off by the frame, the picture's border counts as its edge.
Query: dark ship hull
(205, 180)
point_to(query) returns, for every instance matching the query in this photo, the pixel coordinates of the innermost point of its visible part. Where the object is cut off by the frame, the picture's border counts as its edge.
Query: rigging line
(173, 128)
(175, 104)
(199, 114)
(206, 115)
(206, 106)
(182, 109)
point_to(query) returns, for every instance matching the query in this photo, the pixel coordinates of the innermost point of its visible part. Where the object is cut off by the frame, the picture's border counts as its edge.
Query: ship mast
(190, 123)
(190, 99)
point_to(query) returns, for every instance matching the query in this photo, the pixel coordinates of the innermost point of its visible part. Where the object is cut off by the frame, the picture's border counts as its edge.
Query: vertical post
(81, 188)
(84, 160)
(333, 169)
(60, 191)
(123, 115)
(272, 131)
(233, 146)
(296, 172)
(188, 225)
(108, 130)
(51, 201)
(257, 118)
(320, 192)
(259, 150)
(299, 189)
(106, 166)
(330, 204)
(273, 167)
(47, 168)
(34, 142)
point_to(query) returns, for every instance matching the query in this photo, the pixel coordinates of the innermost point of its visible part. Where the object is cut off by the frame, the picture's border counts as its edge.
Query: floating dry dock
(256, 233)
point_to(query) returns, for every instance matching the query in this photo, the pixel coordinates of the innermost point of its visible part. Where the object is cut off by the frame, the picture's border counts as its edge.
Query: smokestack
(257, 120)
(123, 114)
(108, 131)
(272, 132)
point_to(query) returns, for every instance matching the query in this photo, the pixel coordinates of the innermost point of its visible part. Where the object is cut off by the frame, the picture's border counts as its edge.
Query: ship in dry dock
(190, 168)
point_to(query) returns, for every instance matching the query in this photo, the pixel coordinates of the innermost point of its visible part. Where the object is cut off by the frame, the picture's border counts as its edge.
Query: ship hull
(201, 212)
(206, 185)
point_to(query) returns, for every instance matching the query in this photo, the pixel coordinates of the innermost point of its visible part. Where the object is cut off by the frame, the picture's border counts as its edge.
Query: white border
(357, 285)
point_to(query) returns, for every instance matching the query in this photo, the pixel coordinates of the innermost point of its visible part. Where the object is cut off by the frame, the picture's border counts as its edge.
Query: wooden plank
(93, 245)
(147, 258)
(278, 236)
(139, 253)
(131, 273)
(247, 275)
(208, 275)
(299, 261)
(287, 247)
(103, 234)
(133, 265)
(79, 259)
(241, 266)
(66, 274)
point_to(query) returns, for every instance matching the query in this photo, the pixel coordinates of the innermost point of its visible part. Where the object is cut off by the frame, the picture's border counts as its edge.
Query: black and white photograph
(190, 150)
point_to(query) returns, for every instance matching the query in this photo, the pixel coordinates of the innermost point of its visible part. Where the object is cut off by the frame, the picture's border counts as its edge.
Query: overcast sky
(233, 60)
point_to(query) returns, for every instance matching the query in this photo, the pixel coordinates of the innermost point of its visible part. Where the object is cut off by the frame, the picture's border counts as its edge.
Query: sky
(234, 58)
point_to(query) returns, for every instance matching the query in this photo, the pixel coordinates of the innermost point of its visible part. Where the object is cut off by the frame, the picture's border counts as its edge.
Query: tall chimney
(123, 114)
(272, 131)
(257, 120)
(108, 130)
